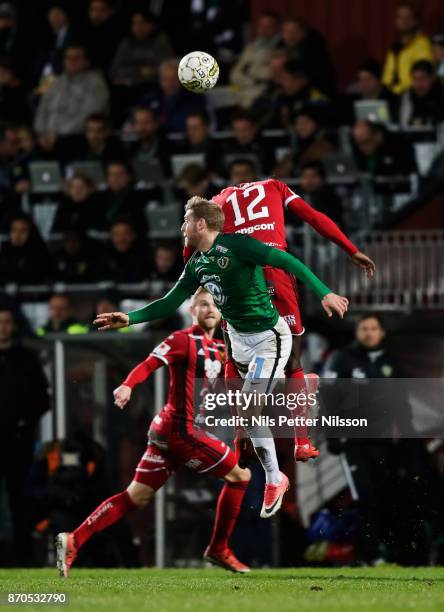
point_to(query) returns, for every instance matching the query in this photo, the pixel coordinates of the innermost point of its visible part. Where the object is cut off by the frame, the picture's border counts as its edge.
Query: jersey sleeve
(172, 349)
(318, 221)
(287, 194)
(167, 306)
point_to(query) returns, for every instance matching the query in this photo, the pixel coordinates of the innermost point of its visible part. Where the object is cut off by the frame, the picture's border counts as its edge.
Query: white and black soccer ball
(198, 71)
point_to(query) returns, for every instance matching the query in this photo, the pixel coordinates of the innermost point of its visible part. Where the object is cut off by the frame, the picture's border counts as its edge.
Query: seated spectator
(28, 150)
(252, 70)
(198, 139)
(60, 317)
(370, 87)
(14, 41)
(248, 141)
(410, 46)
(308, 144)
(50, 63)
(381, 153)
(24, 257)
(167, 264)
(8, 152)
(195, 180)
(127, 258)
(241, 171)
(120, 198)
(438, 54)
(307, 45)
(321, 196)
(80, 210)
(423, 104)
(296, 92)
(75, 261)
(138, 56)
(98, 142)
(75, 95)
(136, 62)
(13, 97)
(151, 142)
(171, 101)
(102, 33)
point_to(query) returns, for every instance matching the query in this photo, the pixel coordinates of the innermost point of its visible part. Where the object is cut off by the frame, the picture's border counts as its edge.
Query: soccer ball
(198, 71)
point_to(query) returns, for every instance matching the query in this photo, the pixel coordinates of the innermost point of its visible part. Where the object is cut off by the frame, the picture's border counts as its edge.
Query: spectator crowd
(98, 101)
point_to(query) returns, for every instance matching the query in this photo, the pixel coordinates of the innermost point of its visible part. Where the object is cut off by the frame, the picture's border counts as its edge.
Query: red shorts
(197, 450)
(283, 291)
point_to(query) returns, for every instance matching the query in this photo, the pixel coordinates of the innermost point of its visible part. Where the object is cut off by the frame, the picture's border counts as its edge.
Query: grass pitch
(381, 589)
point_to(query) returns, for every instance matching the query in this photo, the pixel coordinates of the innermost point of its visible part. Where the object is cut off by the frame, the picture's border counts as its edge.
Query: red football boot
(273, 497)
(226, 559)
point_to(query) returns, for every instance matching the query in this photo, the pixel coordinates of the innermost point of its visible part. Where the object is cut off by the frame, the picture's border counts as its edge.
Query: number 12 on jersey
(250, 210)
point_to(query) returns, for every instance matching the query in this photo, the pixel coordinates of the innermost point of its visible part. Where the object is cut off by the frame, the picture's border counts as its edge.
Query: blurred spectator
(127, 258)
(14, 44)
(8, 152)
(75, 95)
(24, 257)
(264, 107)
(410, 46)
(172, 103)
(248, 141)
(438, 54)
(102, 33)
(307, 45)
(97, 142)
(423, 104)
(60, 317)
(315, 190)
(80, 209)
(308, 144)
(151, 142)
(28, 151)
(252, 70)
(75, 260)
(167, 264)
(370, 87)
(138, 56)
(51, 61)
(198, 139)
(296, 92)
(24, 400)
(195, 180)
(380, 152)
(120, 198)
(13, 98)
(241, 171)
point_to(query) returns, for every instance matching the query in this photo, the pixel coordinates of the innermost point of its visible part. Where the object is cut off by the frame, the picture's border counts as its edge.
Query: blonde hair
(208, 210)
(198, 293)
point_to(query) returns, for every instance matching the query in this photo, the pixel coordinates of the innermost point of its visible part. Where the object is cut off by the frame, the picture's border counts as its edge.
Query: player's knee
(140, 494)
(238, 474)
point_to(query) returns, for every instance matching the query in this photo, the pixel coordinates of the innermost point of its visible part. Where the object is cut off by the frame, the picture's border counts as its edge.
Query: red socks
(228, 508)
(297, 385)
(109, 512)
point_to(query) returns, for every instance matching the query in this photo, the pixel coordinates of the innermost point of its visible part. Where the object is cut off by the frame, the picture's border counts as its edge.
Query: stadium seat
(164, 221)
(45, 177)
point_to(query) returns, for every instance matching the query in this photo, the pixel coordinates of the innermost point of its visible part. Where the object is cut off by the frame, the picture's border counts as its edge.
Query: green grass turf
(383, 589)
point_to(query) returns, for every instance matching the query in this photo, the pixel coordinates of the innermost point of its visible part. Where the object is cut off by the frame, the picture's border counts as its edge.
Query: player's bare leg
(303, 447)
(229, 504)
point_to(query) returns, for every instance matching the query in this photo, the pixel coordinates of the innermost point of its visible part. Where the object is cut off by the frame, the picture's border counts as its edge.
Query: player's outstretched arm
(139, 374)
(326, 227)
(159, 309)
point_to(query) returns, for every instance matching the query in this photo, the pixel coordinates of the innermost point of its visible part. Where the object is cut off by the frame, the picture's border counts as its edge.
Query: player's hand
(122, 396)
(111, 320)
(365, 263)
(334, 303)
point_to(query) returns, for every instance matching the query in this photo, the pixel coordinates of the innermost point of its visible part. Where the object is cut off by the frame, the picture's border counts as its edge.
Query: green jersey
(231, 270)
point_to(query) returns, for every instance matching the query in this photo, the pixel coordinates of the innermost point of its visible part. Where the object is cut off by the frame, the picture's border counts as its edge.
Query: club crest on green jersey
(223, 262)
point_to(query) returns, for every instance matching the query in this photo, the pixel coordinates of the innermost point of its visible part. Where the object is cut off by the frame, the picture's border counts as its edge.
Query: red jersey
(258, 208)
(195, 363)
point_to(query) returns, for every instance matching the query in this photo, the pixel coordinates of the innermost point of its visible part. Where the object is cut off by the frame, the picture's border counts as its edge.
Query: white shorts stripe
(217, 463)
(153, 470)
